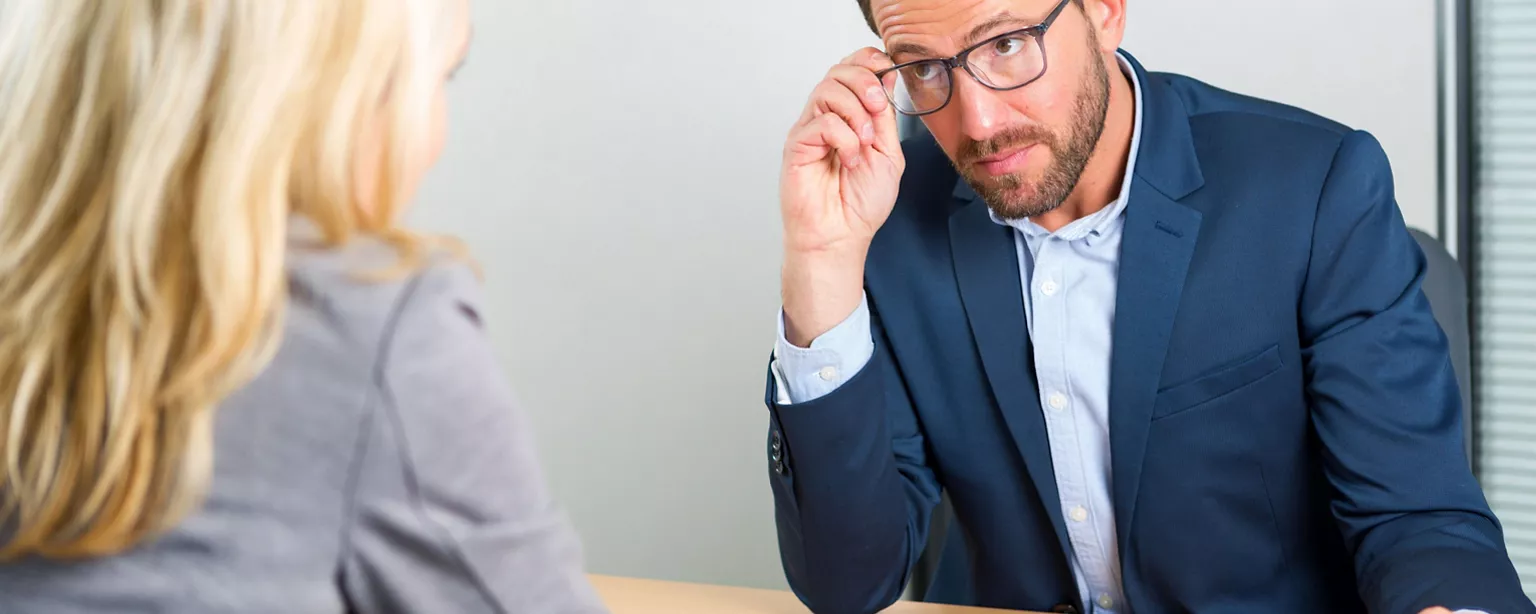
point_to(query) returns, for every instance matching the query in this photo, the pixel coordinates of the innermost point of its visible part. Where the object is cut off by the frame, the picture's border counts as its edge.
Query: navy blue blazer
(1285, 425)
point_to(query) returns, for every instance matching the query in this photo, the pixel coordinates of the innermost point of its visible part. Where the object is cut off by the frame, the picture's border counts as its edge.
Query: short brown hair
(869, 16)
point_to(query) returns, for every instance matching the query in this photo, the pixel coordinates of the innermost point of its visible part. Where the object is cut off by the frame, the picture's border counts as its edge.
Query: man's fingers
(883, 113)
(870, 58)
(863, 84)
(825, 134)
(833, 97)
(856, 56)
(848, 110)
(887, 132)
(844, 139)
(856, 73)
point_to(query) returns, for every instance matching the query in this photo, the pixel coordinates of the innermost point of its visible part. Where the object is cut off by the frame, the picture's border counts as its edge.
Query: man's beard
(1009, 196)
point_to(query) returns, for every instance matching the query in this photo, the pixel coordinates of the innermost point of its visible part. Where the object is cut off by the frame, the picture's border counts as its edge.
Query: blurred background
(636, 313)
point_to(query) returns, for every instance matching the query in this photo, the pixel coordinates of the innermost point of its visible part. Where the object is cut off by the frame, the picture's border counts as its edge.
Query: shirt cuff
(802, 375)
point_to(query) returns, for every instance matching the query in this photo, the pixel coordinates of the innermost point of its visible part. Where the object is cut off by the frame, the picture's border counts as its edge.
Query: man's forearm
(819, 290)
(844, 507)
(1439, 559)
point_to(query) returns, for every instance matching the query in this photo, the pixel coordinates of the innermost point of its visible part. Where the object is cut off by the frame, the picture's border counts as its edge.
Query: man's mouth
(1006, 161)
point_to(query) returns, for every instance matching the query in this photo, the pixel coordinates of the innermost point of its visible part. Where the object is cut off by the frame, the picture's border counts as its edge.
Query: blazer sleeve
(1386, 407)
(450, 511)
(852, 489)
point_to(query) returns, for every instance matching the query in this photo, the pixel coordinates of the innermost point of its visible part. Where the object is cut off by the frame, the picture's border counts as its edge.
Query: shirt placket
(1051, 335)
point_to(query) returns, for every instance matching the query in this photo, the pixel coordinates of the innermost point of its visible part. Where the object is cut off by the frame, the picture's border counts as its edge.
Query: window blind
(1504, 264)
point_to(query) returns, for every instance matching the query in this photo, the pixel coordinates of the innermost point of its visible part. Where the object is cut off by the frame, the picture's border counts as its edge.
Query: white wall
(1370, 64)
(614, 165)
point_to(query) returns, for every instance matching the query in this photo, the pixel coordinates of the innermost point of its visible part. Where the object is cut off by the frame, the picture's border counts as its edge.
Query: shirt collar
(1099, 222)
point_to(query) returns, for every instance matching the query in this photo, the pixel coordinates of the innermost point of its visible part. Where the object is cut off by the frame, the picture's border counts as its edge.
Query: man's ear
(1107, 18)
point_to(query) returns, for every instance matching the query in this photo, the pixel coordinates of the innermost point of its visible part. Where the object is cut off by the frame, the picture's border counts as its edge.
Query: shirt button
(1080, 514)
(1106, 602)
(827, 374)
(1049, 287)
(1057, 401)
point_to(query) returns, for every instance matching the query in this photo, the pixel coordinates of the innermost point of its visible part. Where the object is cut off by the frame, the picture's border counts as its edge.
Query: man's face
(1022, 150)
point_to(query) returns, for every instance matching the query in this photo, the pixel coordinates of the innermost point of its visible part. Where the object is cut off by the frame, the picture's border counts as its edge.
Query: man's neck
(1102, 178)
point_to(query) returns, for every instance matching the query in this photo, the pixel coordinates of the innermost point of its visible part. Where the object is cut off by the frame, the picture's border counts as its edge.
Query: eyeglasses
(1004, 62)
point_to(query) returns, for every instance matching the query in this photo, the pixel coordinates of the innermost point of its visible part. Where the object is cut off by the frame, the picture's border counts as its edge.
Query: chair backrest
(909, 126)
(1445, 284)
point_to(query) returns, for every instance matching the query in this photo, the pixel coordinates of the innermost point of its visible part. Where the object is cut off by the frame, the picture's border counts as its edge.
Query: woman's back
(230, 379)
(378, 464)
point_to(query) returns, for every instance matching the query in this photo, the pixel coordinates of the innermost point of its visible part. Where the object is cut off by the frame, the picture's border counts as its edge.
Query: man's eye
(1008, 46)
(926, 72)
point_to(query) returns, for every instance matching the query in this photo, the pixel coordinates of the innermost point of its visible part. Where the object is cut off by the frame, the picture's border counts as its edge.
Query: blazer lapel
(1158, 244)
(1155, 252)
(987, 269)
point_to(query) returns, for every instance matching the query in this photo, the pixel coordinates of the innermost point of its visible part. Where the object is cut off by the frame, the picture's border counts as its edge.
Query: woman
(229, 380)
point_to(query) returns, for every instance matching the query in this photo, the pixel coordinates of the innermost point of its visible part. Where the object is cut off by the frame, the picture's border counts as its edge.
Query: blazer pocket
(1222, 382)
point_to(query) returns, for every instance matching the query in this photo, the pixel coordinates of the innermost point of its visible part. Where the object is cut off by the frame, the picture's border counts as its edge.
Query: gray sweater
(379, 464)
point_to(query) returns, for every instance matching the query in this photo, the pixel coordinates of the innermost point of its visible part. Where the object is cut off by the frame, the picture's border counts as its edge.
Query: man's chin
(1010, 197)
(984, 184)
(1019, 209)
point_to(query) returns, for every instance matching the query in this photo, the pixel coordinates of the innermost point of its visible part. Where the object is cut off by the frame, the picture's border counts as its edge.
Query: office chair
(1445, 283)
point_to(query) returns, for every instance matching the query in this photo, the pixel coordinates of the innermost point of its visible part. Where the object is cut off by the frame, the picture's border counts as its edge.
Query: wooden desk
(634, 596)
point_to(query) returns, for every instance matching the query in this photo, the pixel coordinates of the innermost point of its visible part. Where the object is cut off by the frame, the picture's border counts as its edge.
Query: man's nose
(982, 110)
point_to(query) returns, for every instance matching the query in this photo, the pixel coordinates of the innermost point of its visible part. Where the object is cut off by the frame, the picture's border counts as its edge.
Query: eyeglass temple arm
(1049, 19)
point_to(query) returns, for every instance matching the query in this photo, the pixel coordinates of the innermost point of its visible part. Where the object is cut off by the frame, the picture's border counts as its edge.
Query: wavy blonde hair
(151, 155)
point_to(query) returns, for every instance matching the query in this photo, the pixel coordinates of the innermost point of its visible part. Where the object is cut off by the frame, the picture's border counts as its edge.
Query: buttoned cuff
(802, 375)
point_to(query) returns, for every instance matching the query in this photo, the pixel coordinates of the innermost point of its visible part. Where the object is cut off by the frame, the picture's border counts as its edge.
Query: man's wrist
(820, 290)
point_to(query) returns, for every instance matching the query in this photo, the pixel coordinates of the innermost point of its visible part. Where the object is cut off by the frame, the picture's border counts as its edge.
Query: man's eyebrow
(981, 31)
(985, 28)
(910, 49)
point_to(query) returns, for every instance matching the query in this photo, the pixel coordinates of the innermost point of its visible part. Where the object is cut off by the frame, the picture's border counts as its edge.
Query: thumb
(888, 131)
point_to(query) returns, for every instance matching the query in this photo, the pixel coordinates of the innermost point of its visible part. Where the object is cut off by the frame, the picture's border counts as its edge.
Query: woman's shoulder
(358, 294)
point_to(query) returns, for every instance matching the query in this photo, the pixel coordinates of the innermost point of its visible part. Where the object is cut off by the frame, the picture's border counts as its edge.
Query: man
(1163, 346)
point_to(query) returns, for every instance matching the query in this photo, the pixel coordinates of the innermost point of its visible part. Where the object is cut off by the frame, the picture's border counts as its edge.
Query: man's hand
(842, 168)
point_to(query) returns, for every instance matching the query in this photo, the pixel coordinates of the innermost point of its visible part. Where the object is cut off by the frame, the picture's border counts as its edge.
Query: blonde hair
(151, 153)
